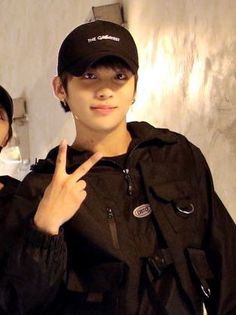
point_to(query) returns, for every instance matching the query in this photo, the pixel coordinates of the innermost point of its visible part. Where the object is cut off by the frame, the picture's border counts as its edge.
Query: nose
(104, 93)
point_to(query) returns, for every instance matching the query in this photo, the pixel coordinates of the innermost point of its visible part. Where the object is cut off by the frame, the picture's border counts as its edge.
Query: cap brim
(79, 67)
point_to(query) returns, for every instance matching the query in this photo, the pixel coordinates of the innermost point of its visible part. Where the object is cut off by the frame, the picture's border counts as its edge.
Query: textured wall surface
(187, 71)
(187, 79)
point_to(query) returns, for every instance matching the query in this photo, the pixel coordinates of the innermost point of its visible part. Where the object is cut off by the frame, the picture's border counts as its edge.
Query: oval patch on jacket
(142, 211)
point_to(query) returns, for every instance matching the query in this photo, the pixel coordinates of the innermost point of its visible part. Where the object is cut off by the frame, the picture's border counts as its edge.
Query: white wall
(187, 75)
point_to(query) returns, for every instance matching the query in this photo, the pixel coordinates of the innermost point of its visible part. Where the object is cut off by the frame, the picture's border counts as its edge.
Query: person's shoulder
(180, 144)
(46, 165)
(10, 185)
(143, 129)
(40, 175)
(9, 180)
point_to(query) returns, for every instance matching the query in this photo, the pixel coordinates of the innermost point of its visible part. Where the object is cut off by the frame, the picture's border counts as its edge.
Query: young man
(127, 214)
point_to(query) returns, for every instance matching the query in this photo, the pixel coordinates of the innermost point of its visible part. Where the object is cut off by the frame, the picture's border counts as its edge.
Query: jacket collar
(141, 132)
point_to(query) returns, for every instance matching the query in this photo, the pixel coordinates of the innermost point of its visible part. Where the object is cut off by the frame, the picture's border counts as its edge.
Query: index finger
(86, 166)
(61, 158)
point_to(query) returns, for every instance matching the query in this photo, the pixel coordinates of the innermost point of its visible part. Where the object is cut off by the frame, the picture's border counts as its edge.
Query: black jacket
(169, 262)
(23, 268)
(20, 263)
(6, 195)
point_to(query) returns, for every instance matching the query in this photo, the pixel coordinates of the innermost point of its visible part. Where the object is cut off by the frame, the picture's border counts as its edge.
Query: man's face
(4, 127)
(100, 99)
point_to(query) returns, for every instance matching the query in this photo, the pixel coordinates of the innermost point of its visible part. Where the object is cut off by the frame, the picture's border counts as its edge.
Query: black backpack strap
(153, 269)
(158, 263)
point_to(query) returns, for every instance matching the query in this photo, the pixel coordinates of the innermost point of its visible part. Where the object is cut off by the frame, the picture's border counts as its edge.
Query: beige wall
(187, 75)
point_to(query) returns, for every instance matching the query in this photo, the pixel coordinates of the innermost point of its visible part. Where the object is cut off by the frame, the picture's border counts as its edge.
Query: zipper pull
(109, 213)
(128, 179)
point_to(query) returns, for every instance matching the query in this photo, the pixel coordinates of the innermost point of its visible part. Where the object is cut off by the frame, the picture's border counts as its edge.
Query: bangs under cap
(92, 41)
(6, 103)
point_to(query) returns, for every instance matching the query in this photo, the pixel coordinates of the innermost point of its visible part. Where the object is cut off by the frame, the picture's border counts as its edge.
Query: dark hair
(107, 62)
(7, 104)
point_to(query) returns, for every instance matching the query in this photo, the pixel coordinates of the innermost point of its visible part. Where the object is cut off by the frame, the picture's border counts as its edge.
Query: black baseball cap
(92, 41)
(6, 103)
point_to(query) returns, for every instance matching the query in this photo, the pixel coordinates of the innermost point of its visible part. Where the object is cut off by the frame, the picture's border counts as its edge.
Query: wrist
(46, 226)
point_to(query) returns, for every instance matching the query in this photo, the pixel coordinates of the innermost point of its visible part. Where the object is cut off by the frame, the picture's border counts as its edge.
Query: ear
(58, 88)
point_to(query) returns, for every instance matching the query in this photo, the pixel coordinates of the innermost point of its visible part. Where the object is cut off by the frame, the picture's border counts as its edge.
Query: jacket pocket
(100, 278)
(178, 203)
(113, 228)
(201, 269)
(106, 276)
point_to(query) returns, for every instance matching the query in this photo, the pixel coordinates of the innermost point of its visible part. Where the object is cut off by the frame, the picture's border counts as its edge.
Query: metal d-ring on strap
(206, 291)
(191, 210)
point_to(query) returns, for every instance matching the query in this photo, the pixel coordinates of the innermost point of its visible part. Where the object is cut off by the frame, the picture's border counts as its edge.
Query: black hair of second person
(7, 104)
(107, 62)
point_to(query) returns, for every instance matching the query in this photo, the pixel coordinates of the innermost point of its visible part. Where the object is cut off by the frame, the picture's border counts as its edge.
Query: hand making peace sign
(64, 195)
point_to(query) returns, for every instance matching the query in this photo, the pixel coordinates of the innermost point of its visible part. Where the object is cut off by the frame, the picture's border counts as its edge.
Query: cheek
(1, 139)
(4, 129)
(129, 90)
(78, 103)
(128, 95)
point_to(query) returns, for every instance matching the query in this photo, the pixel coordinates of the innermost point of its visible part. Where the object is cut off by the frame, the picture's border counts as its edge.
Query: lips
(103, 109)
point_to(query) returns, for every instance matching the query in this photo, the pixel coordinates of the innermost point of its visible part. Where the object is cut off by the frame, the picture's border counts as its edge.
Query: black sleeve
(33, 273)
(34, 263)
(219, 244)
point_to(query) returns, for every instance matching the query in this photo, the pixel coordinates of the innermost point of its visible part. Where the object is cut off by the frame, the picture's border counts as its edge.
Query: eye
(3, 115)
(121, 76)
(89, 76)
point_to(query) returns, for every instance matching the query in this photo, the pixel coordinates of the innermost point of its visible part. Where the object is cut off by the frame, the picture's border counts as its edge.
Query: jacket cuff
(40, 239)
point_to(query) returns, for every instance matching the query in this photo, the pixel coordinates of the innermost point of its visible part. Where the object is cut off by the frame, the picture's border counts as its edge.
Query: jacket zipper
(128, 179)
(113, 228)
(126, 172)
